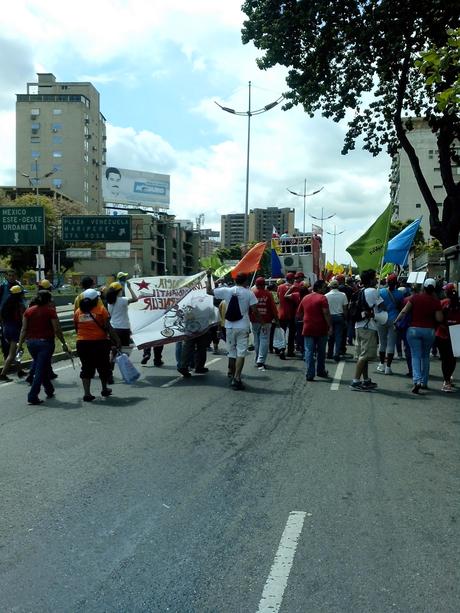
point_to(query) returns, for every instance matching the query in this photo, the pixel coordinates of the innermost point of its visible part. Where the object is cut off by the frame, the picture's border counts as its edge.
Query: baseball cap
(16, 289)
(429, 282)
(116, 285)
(392, 278)
(44, 284)
(299, 275)
(260, 281)
(122, 275)
(290, 276)
(91, 293)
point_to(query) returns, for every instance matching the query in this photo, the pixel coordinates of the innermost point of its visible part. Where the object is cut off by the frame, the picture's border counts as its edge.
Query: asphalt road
(186, 496)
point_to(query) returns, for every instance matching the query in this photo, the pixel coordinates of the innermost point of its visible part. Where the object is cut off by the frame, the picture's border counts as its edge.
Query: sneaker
(416, 388)
(388, 370)
(184, 372)
(201, 371)
(447, 387)
(237, 385)
(106, 392)
(158, 363)
(261, 366)
(144, 361)
(369, 383)
(323, 375)
(356, 386)
(380, 368)
(282, 355)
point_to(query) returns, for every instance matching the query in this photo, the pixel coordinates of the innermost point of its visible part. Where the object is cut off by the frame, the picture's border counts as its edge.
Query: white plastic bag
(128, 371)
(279, 339)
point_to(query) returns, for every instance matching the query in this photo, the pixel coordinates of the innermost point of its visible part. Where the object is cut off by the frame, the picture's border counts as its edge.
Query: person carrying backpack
(362, 311)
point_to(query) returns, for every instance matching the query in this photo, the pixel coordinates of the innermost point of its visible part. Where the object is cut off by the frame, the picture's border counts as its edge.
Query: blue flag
(399, 246)
(276, 265)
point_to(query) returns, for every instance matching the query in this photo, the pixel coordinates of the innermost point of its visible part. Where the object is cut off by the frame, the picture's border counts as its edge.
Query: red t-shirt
(265, 306)
(311, 307)
(451, 318)
(39, 319)
(287, 306)
(424, 307)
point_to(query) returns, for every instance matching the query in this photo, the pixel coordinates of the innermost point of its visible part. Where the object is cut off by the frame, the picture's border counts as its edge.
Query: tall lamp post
(37, 180)
(305, 196)
(249, 113)
(322, 218)
(334, 234)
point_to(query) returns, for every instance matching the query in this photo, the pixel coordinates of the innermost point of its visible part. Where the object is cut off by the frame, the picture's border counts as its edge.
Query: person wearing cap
(86, 283)
(393, 303)
(43, 284)
(117, 305)
(122, 277)
(451, 317)
(40, 326)
(8, 282)
(426, 311)
(317, 324)
(237, 332)
(11, 313)
(338, 308)
(295, 293)
(286, 313)
(92, 325)
(261, 325)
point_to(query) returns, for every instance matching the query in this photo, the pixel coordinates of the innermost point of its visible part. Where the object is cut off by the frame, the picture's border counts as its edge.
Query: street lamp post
(334, 234)
(37, 196)
(249, 113)
(305, 196)
(322, 218)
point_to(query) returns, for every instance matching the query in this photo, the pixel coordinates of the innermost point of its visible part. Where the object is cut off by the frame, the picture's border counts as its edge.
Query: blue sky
(159, 67)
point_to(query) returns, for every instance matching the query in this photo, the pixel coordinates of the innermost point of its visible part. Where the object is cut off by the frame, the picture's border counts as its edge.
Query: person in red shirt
(287, 310)
(317, 325)
(261, 326)
(40, 325)
(451, 313)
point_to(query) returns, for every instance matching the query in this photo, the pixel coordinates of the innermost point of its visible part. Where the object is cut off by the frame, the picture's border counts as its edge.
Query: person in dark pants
(157, 356)
(287, 311)
(196, 347)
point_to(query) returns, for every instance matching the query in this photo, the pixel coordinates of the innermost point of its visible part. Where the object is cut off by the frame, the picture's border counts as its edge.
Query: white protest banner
(170, 309)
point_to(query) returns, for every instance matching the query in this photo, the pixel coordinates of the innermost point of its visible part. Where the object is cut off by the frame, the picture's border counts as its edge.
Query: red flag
(250, 261)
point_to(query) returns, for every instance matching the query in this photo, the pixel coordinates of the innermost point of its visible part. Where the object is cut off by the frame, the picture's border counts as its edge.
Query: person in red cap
(295, 293)
(451, 312)
(261, 326)
(393, 302)
(287, 311)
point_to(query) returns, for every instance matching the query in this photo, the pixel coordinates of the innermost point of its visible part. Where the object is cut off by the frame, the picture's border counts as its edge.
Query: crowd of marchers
(380, 320)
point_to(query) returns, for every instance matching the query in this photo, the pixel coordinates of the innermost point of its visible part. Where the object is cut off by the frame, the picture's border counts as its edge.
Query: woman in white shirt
(117, 305)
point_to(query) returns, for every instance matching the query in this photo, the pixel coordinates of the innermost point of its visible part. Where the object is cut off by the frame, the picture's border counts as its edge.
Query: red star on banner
(142, 285)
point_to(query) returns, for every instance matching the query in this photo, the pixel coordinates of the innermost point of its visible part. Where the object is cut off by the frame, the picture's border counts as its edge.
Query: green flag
(368, 250)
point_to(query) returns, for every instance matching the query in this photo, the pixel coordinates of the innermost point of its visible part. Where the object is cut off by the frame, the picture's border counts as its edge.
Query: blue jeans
(420, 342)
(41, 352)
(312, 344)
(261, 334)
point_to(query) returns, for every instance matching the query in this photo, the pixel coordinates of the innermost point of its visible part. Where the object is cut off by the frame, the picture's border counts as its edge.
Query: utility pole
(305, 196)
(334, 234)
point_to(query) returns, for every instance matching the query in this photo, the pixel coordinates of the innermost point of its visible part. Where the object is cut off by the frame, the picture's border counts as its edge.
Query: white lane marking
(62, 367)
(338, 376)
(276, 583)
(176, 379)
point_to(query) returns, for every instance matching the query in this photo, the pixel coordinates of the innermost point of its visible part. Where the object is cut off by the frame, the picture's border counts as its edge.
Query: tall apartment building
(405, 193)
(232, 229)
(60, 130)
(262, 222)
(260, 225)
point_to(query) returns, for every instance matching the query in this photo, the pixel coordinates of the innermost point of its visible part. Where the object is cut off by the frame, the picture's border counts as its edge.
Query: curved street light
(334, 234)
(249, 113)
(305, 196)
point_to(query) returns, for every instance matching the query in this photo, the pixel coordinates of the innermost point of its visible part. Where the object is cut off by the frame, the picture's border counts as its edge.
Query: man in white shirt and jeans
(237, 332)
(338, 306)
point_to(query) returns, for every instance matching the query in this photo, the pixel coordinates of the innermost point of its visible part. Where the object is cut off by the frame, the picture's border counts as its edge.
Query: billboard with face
(123, 186)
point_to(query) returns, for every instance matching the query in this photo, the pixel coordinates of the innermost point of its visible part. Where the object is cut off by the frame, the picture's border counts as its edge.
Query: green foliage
(355, 60)
(397, 226)
(229, 253)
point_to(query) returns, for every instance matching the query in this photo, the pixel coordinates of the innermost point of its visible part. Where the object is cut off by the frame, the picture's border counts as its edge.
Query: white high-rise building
(60, 130)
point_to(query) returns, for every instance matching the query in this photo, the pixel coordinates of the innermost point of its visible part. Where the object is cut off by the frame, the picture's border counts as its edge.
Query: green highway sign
(22, 225)
(96, 228)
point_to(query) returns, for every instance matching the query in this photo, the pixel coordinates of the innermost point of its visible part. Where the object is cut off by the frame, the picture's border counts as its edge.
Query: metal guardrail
(65, 315)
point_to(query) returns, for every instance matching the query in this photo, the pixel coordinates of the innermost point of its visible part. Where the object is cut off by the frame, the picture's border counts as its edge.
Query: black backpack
(358, 305)
(233, 312)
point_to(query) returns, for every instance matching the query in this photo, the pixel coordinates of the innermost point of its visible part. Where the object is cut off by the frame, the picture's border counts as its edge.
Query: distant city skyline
(159, 68)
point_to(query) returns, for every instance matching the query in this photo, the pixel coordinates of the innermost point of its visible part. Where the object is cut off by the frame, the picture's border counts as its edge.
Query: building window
(35, 140)
(55, 127)
(57, 167)
(34, 113)
(57, 154)
(57, 111)
(57, 140)
(35, 127)
(57, 183)
(35, 154)
(418, 205)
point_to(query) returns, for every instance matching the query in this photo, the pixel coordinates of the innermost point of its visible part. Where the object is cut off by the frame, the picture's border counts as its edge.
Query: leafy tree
(397, 226)
(356, 60)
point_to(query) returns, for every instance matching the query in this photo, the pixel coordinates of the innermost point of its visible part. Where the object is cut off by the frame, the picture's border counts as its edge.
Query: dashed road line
(338, 376)
(275, 586)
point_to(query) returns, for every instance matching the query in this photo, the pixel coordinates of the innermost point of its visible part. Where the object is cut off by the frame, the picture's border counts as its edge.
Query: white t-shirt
(337, 300)
(373, 298)
(246, 298)
(119, 313)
